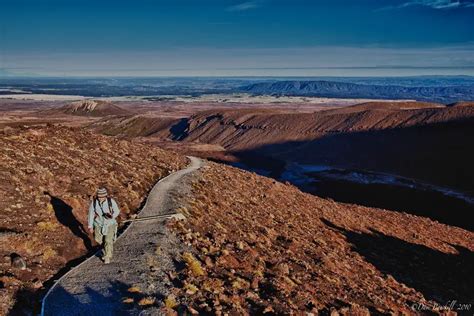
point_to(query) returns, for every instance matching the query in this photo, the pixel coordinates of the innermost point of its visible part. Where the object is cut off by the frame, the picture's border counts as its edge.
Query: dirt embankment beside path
(46, 177)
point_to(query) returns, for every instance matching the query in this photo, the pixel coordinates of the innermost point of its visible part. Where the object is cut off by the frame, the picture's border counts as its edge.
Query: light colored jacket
(96, 214)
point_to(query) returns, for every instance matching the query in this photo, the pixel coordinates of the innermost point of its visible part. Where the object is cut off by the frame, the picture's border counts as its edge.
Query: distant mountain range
(333, 89)
(442, 89)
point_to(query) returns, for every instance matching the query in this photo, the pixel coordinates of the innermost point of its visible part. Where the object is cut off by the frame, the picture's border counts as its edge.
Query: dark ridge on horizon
(443, 89)
(335, 89)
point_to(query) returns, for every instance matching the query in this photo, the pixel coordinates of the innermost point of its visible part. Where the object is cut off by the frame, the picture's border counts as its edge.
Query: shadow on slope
(66, 217)
(179, 130)
(440, 153)
(92, 302)
(27, 299)
(439, 276)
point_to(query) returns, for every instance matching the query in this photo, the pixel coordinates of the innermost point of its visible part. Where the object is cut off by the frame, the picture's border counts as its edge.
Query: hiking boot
(106, 260)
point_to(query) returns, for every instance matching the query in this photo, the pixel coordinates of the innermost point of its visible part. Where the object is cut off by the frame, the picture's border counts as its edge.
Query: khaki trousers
(107, 240)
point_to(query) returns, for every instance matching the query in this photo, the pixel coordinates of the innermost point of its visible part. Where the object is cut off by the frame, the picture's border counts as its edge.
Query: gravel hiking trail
(137, 274)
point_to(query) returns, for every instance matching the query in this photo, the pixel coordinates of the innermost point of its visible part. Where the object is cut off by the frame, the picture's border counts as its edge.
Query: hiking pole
(146, 218)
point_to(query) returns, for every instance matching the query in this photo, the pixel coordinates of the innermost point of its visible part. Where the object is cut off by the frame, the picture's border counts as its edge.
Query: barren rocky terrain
(240, 130)
(265, 247)
(260, 246)
(136, 281)
(26, 111)
(411, 139)
(47, 175)
(425, 145)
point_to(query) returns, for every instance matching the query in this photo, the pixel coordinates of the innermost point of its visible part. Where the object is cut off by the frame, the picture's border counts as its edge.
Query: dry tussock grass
(193, 264)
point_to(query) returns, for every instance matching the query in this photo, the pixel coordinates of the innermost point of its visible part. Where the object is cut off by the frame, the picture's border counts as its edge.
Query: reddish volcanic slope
(46, 177)
(247, 128)
(407, 138)
(260, 246)
(425, 141)
(136, 126)
(238, 130)
(267, 247)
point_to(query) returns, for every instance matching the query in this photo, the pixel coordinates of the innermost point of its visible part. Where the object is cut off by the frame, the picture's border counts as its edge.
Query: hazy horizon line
(222, 76)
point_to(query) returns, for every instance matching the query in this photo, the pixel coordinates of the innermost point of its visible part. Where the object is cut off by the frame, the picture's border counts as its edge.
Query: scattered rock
(18, 262)
(240, 245)
(64, 163)
(269, 247)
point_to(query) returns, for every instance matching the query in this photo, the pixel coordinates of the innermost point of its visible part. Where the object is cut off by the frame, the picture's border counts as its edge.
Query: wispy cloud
(243, 6)
(433, 4)
(295, 61)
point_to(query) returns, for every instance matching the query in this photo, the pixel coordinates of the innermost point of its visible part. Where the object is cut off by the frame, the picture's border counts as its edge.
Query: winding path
(142, 254)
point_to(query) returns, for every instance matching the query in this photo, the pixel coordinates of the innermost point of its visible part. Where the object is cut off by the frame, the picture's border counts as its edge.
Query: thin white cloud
(296, 61)
(433, 4)
(244, 6)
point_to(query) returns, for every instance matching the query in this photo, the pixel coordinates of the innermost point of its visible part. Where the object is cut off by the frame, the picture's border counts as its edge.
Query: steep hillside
(94, 108)
(407, 138)
(46, 178)
(412, 141)
(266, 247)
(136, 126)
(246, 128)
(352, 90)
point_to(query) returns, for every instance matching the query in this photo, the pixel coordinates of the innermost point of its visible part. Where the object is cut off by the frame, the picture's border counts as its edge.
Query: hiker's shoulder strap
(109, 203)
(94, 202)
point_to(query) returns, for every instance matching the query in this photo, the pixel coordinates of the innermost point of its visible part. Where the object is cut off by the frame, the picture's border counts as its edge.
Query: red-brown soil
(16, 113)
(237, 130)
(46, 177)
(249, 128)
(425, 141)
(137, 126)
(266, 247)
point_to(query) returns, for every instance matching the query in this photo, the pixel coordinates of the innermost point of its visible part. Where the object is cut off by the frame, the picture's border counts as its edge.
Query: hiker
(102, 214)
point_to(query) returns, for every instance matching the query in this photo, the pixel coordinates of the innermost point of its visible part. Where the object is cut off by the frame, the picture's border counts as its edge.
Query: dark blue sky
(157, 37)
